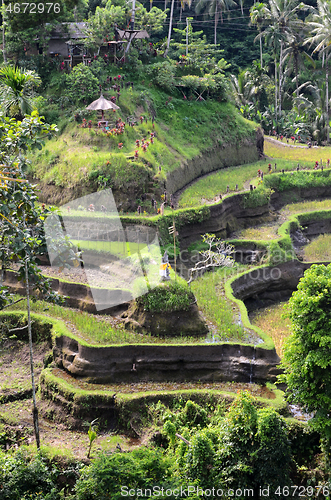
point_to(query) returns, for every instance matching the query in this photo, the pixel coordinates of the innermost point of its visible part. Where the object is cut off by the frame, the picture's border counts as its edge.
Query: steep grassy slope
(84, 159)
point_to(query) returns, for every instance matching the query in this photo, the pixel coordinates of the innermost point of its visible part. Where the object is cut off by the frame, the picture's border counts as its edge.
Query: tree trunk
(261, 52)
(170, 27)
(276, 87)
(215, 25)
(3, 34)
(280, 78)
(296, 75)
(327, 96)
(35, 409)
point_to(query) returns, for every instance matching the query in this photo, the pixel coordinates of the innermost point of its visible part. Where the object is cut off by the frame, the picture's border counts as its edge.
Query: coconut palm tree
(16, 89)
(295, 56)
(258, 16)
(320, 28)
(215, 8)
(283, 20)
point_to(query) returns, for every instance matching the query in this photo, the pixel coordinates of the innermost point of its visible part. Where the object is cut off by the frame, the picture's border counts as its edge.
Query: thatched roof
(102, 104)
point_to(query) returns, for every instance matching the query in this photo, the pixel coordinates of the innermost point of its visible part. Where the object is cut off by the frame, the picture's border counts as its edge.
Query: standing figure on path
(165, 267)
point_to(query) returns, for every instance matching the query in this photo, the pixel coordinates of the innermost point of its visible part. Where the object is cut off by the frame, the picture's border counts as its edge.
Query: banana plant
(92, 435)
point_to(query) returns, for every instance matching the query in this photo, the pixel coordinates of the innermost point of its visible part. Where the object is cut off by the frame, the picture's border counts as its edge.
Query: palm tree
(321, 37)
(295, 56)
(282, 17)
(214, 8)
(257, 15)
(242, 91)
(16, 87)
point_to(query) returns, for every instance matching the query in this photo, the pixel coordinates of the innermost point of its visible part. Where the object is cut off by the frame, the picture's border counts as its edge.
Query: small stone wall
(135, 363)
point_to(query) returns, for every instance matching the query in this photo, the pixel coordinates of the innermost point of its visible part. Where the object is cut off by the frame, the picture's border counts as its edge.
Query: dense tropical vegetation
(278, 77)
(178, 92)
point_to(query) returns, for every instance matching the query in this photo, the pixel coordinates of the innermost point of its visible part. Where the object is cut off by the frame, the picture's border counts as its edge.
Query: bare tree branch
(218, 254)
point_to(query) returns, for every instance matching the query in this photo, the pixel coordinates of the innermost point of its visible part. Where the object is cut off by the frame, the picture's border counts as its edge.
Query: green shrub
(200, 458)
(257, 198)
(193, 415)
(301, 179)
(108, 474)
(167, 297)
(82, 85)
(23, 478)
(163, 74)
(254, 450)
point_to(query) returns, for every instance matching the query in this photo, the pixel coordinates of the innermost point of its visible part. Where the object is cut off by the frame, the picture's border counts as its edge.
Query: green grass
(275, 322)
(119, 248)
(209, 187)
(266, 232)
(319, 249)
(307, 206)
(179, 129)
(302, 155)
(216, 308)
(103, 330)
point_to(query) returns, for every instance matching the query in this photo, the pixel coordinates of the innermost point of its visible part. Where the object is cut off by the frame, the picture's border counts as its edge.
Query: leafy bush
(193, 415)
(257, 198)
(23, 477)
(167, 297)
(200, 458)
(82, 85)
(254, 450)
(163, 74)
(108, 474)
(273, 455)
(301, 179)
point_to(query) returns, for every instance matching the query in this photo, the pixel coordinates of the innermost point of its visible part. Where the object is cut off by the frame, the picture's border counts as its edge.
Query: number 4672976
(33, 8)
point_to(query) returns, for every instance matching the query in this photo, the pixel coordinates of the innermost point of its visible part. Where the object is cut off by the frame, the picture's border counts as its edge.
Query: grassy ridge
(209, 187)
(215, 307)
(275, 149)
(183, 130)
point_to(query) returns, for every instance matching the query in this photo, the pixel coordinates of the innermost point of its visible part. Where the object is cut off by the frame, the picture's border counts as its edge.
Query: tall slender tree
(320, 28)
(257, 16)
(282, 20)
(4, 53)
(183, 2)
(215, 8)
(294, 55)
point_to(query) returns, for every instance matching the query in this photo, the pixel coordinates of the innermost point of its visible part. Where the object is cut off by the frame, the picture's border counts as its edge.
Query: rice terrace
(165, 250)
